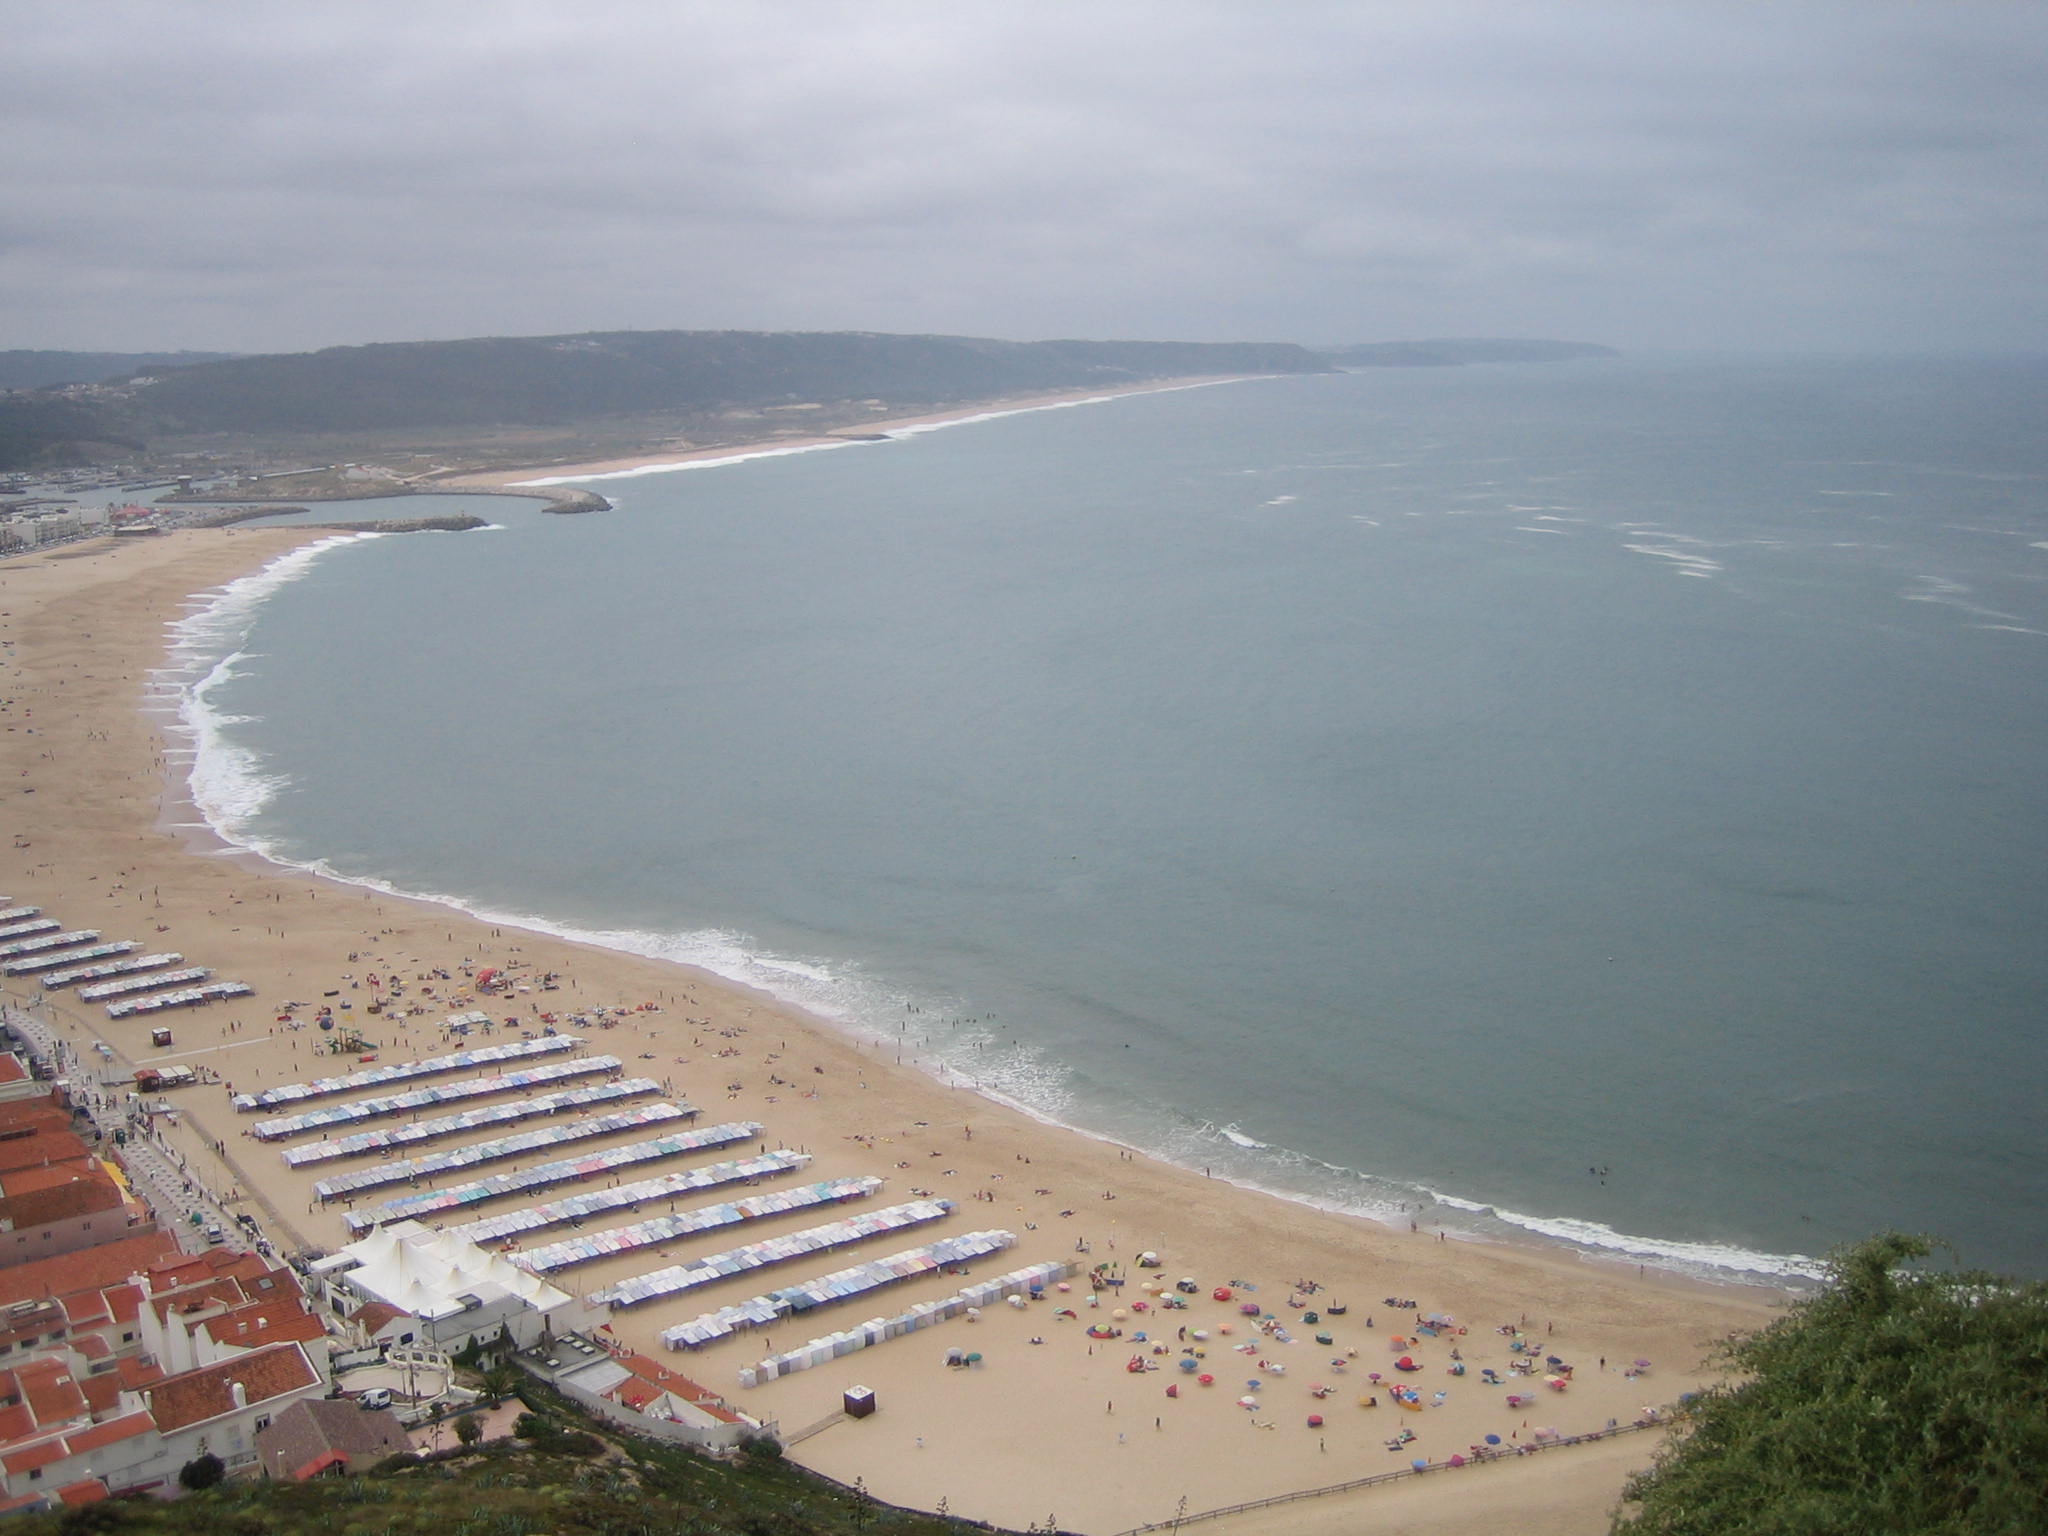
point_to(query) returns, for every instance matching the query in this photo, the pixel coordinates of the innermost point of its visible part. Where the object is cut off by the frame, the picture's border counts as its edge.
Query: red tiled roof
(11, 1069)
(660, 1376)
(266, 1322)
(82, 1309)
(373, 1315)
(87, 1269)
(28, 1457)
(78, 1195)
(113, 1432)
(34, 1114)
(44, 1144)
(194, 1396)
(15, 1421)
(45, 1173)
(102, 1391)
(92, 1346)
(124, 1302)
(50, 1392)
(89, 1491)
(134, 1373)
(637, 1394)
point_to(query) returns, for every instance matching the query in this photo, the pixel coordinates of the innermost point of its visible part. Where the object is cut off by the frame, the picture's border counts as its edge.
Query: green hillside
(468, 387)
(45, 370)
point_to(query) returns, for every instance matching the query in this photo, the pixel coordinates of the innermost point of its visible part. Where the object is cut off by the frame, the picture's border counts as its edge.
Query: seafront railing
(1469, 1459)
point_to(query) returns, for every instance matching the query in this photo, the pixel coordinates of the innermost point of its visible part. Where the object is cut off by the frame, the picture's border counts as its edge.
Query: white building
(457, 1292)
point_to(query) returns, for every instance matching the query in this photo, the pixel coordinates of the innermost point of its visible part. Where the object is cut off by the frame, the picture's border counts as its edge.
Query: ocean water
(1598, 804)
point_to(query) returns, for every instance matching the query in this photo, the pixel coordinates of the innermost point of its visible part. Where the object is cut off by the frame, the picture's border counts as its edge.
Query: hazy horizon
(1813, 176)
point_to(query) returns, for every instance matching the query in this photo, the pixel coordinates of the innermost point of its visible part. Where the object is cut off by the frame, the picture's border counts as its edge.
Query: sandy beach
(794, 437)
(1051, 1423)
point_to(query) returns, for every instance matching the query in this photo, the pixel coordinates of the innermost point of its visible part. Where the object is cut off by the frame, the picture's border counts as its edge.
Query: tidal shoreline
(87, 628)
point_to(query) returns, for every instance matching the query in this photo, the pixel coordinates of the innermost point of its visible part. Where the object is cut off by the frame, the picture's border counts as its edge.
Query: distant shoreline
(882, 428)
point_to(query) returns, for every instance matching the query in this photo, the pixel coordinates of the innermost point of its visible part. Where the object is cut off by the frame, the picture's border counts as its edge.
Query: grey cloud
(1671, 175)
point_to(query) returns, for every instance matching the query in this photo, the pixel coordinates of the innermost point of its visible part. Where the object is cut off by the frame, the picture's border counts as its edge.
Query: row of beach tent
(407, 1170)
(433, 1093)
(128, 984)
(15, 931)
(877, 1330)
(398, 1071)
(125, 967)
(508, 1113)
(774, 1250)
(46, 940)
(33, 963)
(184, 997)
(707, 1218)
(570, 1170)
(595, 1202)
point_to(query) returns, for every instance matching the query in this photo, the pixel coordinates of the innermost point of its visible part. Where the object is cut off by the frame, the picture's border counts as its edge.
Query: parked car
(376, 1397)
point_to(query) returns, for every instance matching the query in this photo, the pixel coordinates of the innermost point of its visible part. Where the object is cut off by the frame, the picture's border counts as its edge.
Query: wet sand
(100, 836)
(794, 437)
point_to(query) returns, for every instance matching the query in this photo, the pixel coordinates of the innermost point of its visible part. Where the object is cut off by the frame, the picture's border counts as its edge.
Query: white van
(376, 1397)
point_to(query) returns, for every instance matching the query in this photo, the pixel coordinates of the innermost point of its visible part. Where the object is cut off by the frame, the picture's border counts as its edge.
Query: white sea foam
(1954, 594)
(883, 435)
(1685, 563)
(1237, 1138)
(1524, 528)
(740, 457)
(1719, 1259)
(1279, 501)
(227, 782)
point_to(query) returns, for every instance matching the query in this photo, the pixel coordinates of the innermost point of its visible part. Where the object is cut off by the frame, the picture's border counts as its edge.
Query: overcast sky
(277, 177)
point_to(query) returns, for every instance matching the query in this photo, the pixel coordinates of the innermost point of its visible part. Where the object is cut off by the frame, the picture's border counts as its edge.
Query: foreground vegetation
(564, 1474)
(471, 387)
(1896, 1400)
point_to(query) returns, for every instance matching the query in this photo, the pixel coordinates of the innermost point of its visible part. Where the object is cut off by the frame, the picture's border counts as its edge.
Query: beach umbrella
(1206, 1379)
(1118, 1313)
(1552, 1360)
(1247, 1402)
(1457, 1460)
(1221, 1293)
(1173, 1389)
(974, 1357)
(1493, 1439)
(1198, 1333)
(1642, 1365)
(1315, 1421)
(1187, 1364)
(1419, 1464)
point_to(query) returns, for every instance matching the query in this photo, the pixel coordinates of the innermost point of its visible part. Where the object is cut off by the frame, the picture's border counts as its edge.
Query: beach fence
(1469, 1459)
